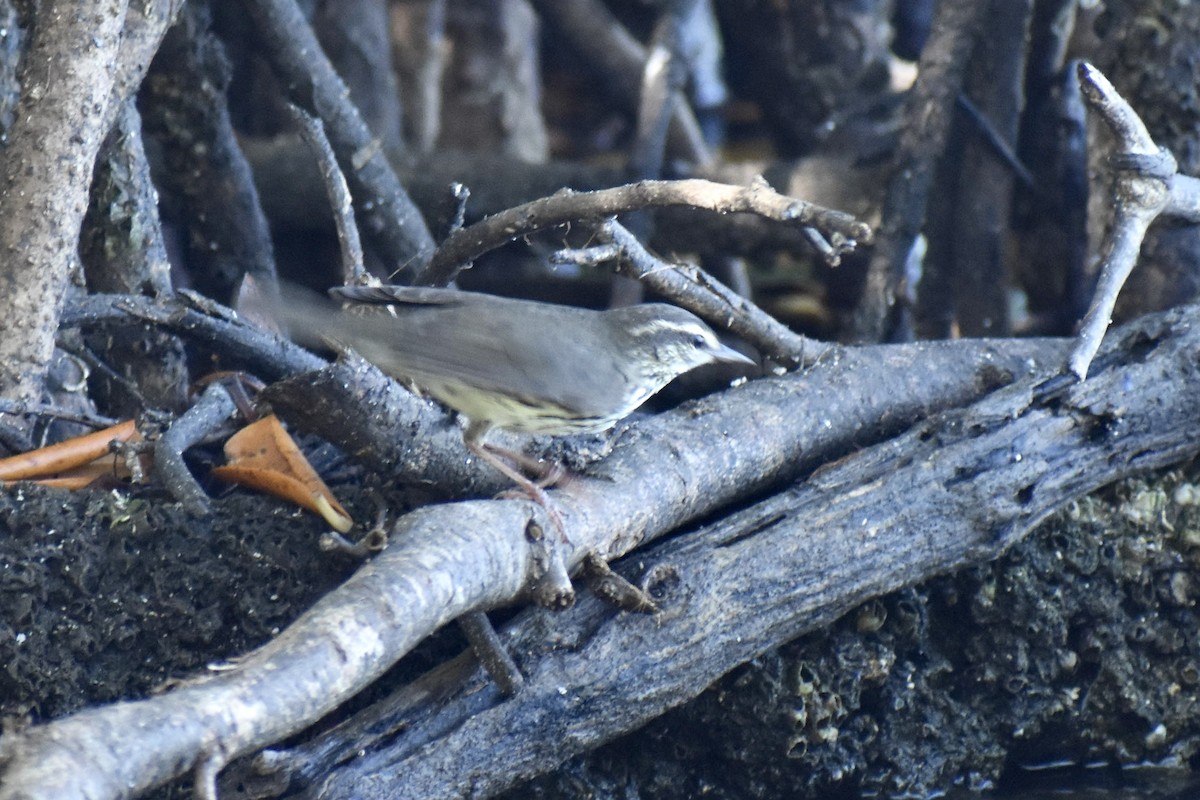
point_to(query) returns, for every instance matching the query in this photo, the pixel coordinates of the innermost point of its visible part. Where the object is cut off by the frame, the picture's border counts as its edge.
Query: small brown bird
(517, 364)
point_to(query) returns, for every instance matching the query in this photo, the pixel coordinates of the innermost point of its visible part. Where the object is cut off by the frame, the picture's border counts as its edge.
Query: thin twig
(696, 290)
(214, 408)
(1145, 185)
(313, 132)
(996, 141)
(268, 355)
(457, 252)
(92, 420)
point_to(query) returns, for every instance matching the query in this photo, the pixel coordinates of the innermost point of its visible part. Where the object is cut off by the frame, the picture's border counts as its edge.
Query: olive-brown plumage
(516, 364)
(524, 365)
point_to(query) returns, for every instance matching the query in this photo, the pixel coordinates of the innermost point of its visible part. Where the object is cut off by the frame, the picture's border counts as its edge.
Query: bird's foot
(527, 489)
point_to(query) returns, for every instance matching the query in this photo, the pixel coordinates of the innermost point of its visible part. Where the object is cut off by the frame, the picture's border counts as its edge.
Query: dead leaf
(263, 456)
(72, 464)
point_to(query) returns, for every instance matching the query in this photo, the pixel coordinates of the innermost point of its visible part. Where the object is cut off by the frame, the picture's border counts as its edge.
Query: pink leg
(535, 491)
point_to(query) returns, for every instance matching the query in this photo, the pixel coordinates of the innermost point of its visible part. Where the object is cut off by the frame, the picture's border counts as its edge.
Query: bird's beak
(727, 355)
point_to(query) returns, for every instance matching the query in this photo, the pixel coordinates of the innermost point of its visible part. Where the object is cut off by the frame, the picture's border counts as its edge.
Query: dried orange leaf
(263, 456)
(83, 476)
(64, 456)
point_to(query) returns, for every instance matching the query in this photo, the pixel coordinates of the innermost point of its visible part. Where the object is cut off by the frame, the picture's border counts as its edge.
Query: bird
(518, 365)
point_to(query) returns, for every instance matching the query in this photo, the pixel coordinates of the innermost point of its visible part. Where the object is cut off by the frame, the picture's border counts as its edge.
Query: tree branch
(384, 209)
(464, 245)
(957, 489)
(924, 131)
(450, 559)
(45, 173)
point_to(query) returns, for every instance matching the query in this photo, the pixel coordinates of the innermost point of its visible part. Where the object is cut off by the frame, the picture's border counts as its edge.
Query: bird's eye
(699, 342)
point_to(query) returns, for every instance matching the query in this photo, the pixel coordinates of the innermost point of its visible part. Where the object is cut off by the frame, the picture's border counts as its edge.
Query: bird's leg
(473, 439)
(547, 474)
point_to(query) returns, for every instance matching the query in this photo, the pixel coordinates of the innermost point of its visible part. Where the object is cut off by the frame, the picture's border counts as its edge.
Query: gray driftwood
(451, 559)
(958, 488)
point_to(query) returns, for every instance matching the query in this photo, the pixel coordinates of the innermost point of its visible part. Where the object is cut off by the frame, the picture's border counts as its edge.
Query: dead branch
(696, 290)
(388, 217)
(965, 275)
(214, 408)
(293, 196)
(206, 174)
(1146, 184)
(337, 192)
(957, 489)
(457, 252)
(206, 323)
(924, 133)
(450, 559)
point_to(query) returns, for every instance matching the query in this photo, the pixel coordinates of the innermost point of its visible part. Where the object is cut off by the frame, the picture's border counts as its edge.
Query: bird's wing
(520, 348)
(399, 295)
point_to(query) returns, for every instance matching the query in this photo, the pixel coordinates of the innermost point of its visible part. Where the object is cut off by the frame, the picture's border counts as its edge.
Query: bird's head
(664, 341)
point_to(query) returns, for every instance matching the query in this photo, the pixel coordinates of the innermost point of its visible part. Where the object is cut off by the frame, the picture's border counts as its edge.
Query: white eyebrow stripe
(662, 326)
